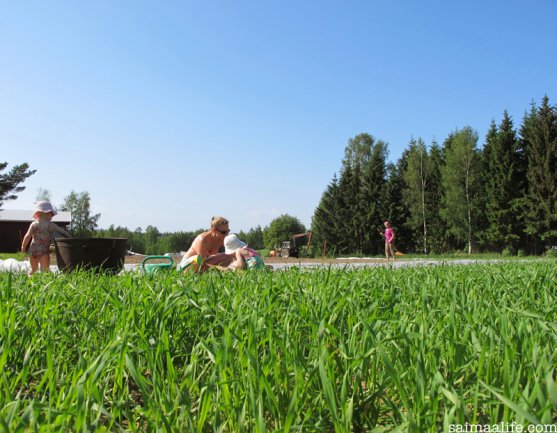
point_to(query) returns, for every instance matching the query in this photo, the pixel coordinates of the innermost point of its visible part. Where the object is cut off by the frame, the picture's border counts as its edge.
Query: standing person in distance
(389, 240)
(40, 235)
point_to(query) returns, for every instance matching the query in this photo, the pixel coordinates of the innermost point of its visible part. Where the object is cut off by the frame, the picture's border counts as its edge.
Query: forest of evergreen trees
(455, 196)
(447, 197)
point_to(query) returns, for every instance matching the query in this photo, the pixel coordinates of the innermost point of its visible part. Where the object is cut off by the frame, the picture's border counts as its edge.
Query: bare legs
(389, 250)
(43, 261)
(220, 259)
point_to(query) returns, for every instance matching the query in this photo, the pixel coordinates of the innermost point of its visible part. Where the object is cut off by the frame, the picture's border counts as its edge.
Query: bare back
(206, 244)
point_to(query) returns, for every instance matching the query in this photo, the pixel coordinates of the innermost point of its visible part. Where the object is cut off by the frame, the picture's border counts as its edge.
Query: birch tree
(459, 178)
(416, 180)
(83, 222)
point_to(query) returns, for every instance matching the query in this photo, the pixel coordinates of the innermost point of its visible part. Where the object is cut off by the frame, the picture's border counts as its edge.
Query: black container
(98, 254)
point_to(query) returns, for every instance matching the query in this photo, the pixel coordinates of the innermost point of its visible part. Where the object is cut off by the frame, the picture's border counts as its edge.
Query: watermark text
(502, 427)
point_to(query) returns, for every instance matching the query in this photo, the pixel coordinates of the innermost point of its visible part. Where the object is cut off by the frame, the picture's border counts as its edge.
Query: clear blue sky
(171, 112)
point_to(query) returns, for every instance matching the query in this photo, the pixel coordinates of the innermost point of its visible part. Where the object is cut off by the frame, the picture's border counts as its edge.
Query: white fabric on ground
(12, 265)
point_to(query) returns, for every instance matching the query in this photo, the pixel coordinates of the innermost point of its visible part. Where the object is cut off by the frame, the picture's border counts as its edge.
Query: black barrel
(98, 254)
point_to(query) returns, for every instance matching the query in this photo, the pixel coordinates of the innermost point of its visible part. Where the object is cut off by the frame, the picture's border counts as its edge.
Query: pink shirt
(251, 252)
(389, 234)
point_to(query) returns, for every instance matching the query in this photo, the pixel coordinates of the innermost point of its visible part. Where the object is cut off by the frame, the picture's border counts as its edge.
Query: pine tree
(9, 182)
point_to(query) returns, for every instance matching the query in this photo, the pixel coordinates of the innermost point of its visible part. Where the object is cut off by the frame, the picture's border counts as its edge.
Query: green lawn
(288, 351)
(17, 256)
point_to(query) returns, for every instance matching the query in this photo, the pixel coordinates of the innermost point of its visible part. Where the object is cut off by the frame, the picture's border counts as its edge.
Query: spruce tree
(352, 206)
(437, 227)
(372, 196)
(395, 208)
(482, 234)
(361, 182)
(348, 187)
(540, 135)
(503, 188)
(326, 222)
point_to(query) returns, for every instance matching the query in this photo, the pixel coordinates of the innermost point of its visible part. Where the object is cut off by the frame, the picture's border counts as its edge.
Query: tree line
(452, 196)
(444, 197)
(151, 241)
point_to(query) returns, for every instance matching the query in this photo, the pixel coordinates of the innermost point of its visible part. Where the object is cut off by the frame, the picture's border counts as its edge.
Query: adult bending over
(206, 247)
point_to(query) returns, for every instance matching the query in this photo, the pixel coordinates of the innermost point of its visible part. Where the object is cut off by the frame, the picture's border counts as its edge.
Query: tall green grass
(291, 351)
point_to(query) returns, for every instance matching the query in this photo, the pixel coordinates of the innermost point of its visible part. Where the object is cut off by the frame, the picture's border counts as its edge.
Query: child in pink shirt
(389, 238)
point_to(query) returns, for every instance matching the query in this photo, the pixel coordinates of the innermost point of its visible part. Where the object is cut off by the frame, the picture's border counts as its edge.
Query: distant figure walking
(389, 239)
(40, 235)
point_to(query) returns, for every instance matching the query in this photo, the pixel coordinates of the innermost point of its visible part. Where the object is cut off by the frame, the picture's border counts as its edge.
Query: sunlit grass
(16, 256)
(321, 350)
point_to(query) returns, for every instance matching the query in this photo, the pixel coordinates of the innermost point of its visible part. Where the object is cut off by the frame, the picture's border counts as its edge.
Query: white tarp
(12, 265)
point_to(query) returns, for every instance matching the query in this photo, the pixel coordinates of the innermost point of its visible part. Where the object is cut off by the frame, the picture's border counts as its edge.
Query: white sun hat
(232, 243)
(43, 207)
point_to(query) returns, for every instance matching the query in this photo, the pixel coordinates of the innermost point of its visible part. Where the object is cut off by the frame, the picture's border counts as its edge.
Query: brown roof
(27, 216)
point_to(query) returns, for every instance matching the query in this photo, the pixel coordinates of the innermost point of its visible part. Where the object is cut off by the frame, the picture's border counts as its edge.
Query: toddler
(40, 235)
(244, 256)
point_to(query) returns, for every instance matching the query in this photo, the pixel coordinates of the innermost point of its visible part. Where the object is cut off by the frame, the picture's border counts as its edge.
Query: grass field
(415, 350)
(16, 256)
